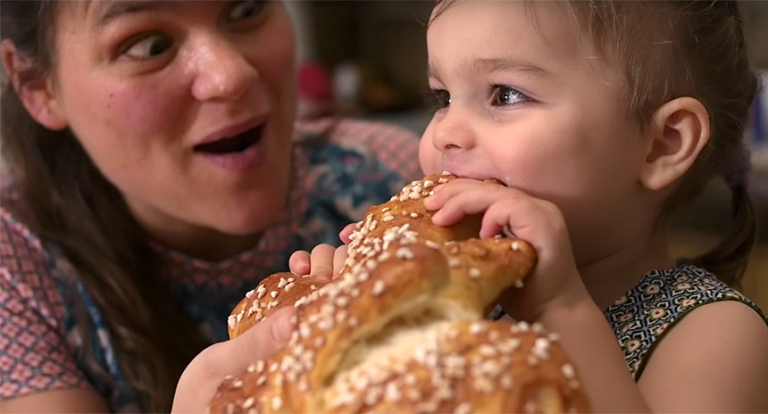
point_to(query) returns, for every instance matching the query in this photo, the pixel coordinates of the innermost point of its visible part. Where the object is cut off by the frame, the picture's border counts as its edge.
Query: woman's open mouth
(231, 145)
(241, 152)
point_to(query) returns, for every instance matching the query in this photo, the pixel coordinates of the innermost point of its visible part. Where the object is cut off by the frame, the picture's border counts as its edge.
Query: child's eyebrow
(506, 64)
(490, 65)
(109, 10)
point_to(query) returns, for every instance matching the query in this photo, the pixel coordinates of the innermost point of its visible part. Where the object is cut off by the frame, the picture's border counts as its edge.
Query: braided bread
(403, 329)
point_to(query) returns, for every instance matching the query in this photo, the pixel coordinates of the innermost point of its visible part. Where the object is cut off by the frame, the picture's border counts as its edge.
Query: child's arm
(689, 372)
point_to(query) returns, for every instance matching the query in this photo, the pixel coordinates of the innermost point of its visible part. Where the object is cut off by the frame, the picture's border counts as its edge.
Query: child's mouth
(231, 145)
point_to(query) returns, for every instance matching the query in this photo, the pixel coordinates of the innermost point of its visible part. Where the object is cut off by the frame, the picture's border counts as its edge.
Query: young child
(602, 117)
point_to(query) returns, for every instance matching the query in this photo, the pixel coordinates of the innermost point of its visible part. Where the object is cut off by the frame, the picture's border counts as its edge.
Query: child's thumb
(266, 337)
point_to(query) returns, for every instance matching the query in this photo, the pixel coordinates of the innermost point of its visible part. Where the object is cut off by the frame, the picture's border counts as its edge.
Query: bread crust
(403, 329)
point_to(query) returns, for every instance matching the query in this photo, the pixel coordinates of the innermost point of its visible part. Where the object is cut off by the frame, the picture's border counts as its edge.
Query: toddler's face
(523, 100)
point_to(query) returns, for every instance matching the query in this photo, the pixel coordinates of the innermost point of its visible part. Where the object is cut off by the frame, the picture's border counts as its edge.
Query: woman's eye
(149, 47)
(505, 96)
(442, 98)
(245, 10)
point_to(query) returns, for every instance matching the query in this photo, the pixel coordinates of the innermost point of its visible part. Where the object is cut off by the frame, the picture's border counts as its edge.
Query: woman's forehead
(100, 12)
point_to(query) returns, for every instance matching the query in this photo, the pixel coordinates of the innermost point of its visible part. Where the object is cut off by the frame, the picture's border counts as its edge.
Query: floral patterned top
(341, 169)
(643, 315)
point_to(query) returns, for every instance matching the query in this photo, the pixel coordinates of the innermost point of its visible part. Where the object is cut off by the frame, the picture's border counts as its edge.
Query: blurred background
(368, 59)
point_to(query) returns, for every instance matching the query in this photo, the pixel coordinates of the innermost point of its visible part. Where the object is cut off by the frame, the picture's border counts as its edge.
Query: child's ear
(678, 132)
(36, 95)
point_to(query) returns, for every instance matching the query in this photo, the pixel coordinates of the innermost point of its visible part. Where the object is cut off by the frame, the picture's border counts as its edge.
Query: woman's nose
(452, 133)
(223, 72)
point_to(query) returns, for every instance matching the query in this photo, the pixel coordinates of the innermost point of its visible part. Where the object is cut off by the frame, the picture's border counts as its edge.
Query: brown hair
(70, 205)
(693, 48)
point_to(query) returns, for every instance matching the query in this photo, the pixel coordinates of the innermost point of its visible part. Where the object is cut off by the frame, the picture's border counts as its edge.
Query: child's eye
(148, 47)
(245, 10)
(442, 98)
(506, 96)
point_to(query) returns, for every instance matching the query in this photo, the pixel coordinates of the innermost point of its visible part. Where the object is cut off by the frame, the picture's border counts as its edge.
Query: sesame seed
(486, 351)
(429, 184)
(277, 403)
(476, 328)
(273, 294)
(414, 196)
(538, 328)
(385, 209)
(506, 382)
(463, 408)
(446, 173)
(515, 246)
(415, 215)
(404, 253)
(454, 262)
(378, 288)
(249, 403)
(342, 301)
(282, 283)
(568, 371)
(388, 218)
(231, 320)
(523, 326)
(289, 286)
(249, 294)
(474, 273)
(237, 384)
(261, 291)
(519, 283)
(432, 244)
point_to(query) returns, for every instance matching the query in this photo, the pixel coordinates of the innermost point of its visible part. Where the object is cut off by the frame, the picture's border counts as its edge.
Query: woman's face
(187, 107)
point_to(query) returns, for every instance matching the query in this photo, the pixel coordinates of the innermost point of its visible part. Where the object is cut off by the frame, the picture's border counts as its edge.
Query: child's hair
(694, 48)
(70, 205)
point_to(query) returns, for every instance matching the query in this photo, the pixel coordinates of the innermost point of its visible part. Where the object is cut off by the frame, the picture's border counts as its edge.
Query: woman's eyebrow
(107, 11)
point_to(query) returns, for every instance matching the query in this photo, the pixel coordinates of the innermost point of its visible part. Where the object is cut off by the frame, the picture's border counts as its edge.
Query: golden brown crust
(402, 330)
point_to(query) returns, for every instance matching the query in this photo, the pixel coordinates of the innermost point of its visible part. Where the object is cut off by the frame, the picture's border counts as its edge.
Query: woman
(155, 175)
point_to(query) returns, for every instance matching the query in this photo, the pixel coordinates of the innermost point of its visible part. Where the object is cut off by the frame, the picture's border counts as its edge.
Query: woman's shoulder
(35, 356)
(352, 165)
(363, 143)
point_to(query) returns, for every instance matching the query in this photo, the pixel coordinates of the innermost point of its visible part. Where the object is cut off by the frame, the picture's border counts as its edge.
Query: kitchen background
(368, 59)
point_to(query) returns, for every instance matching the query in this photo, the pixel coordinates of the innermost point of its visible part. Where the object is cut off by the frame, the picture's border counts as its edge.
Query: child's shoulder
(716, 355)
(664, 299)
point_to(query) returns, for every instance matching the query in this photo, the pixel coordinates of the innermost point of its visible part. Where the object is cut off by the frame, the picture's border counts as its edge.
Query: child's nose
(453, 133)
(222, 71)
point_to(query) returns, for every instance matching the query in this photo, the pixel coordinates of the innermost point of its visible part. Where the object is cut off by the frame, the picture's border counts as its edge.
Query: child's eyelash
(502, 94)
(439, 98)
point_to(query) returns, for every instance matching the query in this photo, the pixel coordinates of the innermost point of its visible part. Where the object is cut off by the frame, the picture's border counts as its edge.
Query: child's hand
(324, 262)
(555, 278)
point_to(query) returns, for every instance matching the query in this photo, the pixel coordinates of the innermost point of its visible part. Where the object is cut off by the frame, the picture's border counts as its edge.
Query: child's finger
(321, 261)
(338, 259)
(463, 204)
(346, 232)
(298, 263)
